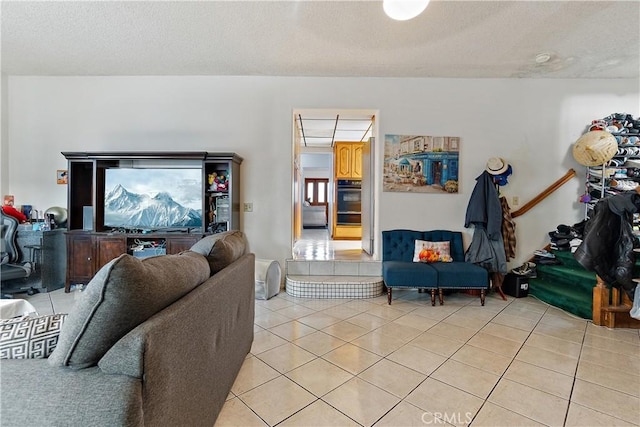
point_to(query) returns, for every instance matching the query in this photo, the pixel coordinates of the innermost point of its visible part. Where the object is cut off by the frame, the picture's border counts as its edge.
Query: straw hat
(595, 148)
(496, 166)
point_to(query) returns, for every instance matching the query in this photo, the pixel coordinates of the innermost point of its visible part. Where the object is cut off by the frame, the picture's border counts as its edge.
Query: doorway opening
(316, 184)
(316, 193)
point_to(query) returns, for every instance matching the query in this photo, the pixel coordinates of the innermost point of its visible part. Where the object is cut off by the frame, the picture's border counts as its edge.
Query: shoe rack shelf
(622, 172)
(611, 306)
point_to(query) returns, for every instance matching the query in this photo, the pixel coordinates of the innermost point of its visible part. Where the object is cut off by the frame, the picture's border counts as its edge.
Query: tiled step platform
(334, 279)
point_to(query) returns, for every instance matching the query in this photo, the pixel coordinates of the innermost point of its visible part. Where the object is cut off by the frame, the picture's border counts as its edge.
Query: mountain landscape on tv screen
(127, 209)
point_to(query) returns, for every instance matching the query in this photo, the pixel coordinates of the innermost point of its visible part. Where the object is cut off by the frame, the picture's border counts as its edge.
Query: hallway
(316, 245)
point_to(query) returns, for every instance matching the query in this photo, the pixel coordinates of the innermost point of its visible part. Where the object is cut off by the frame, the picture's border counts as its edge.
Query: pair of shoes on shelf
(623, 185)
(617, 162)
(633, 172)
(564, 232)
(528, 269)
(543, 253)
(548, 261)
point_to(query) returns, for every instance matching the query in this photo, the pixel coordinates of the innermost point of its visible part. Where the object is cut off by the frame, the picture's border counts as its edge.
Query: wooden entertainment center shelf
(88, 252)
(92, 237)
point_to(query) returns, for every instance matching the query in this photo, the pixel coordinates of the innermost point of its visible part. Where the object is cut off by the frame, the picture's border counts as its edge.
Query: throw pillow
(123, 294)
(30, 337)
(426, 251)
(222, 249)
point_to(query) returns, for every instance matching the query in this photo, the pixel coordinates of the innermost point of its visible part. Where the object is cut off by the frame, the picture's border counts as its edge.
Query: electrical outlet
(515, 201)
(248, 207)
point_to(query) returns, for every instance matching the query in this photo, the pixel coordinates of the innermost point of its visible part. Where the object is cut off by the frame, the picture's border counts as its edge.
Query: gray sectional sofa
(154, 342)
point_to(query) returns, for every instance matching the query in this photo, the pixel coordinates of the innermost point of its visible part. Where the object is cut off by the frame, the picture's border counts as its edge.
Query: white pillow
(426, 251)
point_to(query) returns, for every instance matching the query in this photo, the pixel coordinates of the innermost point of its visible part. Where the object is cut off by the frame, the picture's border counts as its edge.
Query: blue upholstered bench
(400, 271)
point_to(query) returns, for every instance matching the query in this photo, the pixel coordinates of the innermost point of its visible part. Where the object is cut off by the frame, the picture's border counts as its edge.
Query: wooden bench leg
(433, 297)
(600, 301)
(482, 295)
(441, 296)
(389, 295)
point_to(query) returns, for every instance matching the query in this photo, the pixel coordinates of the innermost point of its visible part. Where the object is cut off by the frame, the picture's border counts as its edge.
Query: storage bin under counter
(49, 251)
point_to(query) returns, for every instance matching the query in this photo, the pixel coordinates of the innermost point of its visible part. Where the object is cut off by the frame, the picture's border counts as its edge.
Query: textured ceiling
(467, 39)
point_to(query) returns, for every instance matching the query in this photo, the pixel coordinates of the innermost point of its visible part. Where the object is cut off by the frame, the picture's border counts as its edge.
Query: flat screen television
(153, 198)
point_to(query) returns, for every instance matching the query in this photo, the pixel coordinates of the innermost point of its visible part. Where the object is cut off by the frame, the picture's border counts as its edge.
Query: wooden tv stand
(88, 251)
(91, 243)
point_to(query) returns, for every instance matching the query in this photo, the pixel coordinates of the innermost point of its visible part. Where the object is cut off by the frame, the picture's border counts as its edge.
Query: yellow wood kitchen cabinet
(348, 160)
(347, 208)
(347, 232)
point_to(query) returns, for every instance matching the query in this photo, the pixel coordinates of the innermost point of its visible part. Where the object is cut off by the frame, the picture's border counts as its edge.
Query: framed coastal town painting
(421, 164)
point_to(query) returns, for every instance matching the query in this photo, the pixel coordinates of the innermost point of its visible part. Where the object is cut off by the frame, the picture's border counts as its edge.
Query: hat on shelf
(496, 166)
(595, 148)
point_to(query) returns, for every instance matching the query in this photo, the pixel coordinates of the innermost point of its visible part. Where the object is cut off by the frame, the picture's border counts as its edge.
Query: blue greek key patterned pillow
(30, 337)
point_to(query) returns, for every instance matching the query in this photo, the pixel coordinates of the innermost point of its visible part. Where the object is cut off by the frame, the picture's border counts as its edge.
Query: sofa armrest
(126, 357)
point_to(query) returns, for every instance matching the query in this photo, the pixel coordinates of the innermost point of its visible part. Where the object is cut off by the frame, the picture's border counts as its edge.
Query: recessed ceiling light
(542, 58)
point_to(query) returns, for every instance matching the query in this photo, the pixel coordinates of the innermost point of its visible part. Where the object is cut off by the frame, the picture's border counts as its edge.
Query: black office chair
(11, 269)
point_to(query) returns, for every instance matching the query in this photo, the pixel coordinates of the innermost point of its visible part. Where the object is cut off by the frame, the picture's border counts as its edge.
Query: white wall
(4, 136)
(531, 123)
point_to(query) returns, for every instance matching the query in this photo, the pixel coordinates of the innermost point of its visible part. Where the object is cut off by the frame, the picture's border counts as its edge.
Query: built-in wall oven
(349, 202)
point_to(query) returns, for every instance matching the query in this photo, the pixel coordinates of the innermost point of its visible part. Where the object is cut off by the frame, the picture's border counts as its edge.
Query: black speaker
(87, 218)
(516, 286)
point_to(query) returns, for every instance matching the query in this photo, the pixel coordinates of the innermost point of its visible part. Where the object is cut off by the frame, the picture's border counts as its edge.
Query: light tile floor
(316, 245)
(362, 362)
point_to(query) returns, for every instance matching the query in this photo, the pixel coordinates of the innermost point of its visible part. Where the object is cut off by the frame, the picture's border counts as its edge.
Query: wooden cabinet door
(178, 244)
(108, 248)
(356, 161)
(80, 262)
(343, 155)
(348, 162)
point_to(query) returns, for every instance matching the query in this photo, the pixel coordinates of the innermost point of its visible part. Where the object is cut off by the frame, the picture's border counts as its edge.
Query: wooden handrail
(550, 189)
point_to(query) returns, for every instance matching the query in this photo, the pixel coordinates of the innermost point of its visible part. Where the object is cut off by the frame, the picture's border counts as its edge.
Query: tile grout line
(575, 374)
(445, 361)
(504, 372)
(410, 305)
(404, 345)
(575, 377)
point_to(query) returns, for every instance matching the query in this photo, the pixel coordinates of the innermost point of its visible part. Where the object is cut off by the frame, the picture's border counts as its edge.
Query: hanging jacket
(608, 241)
(484, 212)
(508, 230)
(486, 253)
(484, 207)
